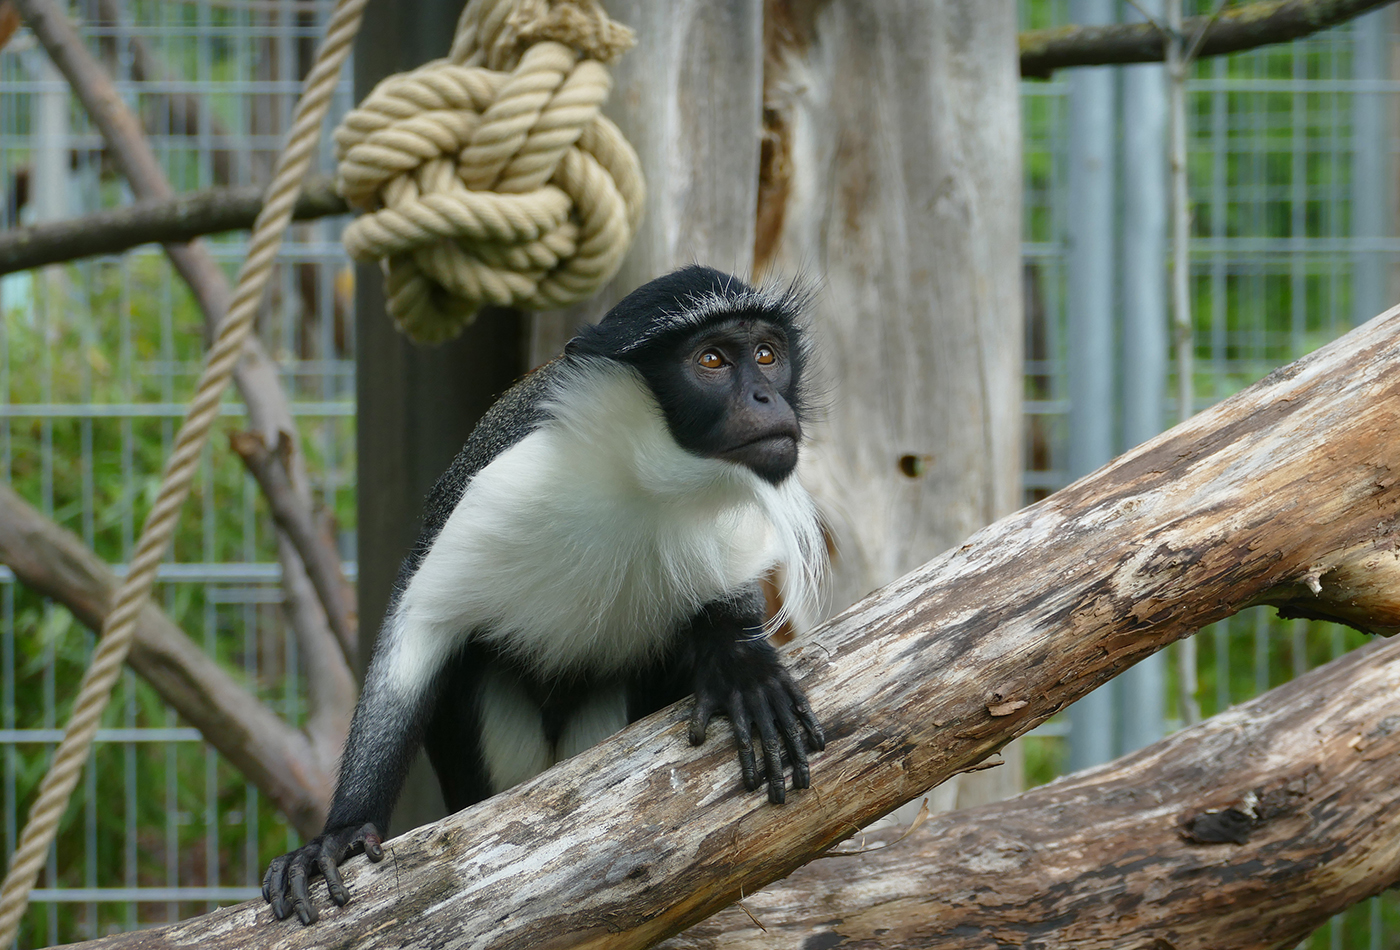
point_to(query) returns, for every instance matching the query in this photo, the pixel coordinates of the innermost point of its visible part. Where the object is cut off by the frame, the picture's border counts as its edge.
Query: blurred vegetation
(106, 334)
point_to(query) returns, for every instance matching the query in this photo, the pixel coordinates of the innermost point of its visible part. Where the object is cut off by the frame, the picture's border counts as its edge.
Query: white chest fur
(586, 543)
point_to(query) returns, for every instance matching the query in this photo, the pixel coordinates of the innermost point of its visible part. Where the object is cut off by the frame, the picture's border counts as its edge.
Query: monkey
(593, 554)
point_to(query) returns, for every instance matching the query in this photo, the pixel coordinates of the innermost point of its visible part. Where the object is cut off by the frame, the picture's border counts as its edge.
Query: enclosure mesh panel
(97, 359)
(1291, 160)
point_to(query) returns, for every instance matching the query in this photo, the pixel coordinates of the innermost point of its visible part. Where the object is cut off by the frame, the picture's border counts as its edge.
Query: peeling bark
(643, 836)
(1247, 831)
(892, 171)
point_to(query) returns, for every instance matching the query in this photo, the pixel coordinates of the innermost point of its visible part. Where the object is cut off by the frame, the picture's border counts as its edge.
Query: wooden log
(1241, 27)
(182, 217)
(1245, 832)
(1288, 486)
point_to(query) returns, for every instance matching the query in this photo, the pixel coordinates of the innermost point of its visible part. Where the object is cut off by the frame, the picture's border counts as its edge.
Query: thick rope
(492, 177)
(120, 624)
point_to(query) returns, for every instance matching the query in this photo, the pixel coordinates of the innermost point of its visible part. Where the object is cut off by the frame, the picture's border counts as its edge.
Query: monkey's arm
(737, 672)
(385, 734)
(387, 729)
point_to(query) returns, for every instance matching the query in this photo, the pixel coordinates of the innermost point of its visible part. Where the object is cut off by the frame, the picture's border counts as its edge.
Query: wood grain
(1245, 832)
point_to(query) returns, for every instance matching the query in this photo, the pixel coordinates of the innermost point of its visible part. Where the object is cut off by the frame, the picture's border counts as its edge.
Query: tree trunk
(893, 175)
(1286, 492)
(416, 405)
(1245, 832)
(688, 98)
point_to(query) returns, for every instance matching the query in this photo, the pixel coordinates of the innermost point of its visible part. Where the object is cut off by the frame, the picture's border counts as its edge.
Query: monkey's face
(726, 390)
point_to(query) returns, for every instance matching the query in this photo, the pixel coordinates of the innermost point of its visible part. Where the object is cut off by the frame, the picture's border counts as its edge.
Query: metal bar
(228, 572)
(170, 410)
(1370, 158)
(13, 736)
(1090, 346)
(1142, 690)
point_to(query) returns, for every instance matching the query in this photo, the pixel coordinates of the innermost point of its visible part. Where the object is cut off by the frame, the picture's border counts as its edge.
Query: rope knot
(497, 184)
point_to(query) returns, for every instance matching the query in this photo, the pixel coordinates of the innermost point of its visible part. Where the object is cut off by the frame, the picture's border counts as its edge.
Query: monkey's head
(724, 360)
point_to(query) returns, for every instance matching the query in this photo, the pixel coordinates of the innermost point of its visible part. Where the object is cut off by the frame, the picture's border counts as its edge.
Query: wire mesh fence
(1291, 153)
(1291, 158)
(97, 359)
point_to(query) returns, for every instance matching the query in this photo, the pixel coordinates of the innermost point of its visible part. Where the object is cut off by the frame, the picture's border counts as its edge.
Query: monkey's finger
(274, 887)
(772, 750)
(301, 896)
(792, 739)
(339, 893)
(705, 706)
(372, 842)
(743, 738)
(816, 739)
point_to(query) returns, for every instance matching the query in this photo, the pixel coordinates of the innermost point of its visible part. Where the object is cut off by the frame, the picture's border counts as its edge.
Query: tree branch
(271, 467)
(181, 218)
(1293, 481)
(1299, 787)
(275, 757)
(1239, 28)
(255, 375)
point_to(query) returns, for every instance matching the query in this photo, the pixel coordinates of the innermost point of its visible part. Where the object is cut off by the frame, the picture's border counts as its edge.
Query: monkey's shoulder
(512, 417)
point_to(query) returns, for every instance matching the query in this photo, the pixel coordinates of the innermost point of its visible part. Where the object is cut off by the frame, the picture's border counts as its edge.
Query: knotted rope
(491, 176)
(120, 625)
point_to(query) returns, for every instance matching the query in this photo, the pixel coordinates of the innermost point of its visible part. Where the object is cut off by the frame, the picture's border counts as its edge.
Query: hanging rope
(491, 176)
(120, 624)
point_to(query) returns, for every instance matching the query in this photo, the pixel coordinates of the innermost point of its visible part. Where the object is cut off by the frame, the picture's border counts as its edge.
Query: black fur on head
(661, 311)
(724, 360)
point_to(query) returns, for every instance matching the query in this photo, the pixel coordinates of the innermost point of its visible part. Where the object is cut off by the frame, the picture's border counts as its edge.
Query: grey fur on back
(510, 419)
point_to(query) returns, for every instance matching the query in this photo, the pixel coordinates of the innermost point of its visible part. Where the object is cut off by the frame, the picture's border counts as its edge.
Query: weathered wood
(893, 173)
(687, 97)
(183, 217)
(273, 755)
(1247, 831)
(1290, 482)
(1242, 27)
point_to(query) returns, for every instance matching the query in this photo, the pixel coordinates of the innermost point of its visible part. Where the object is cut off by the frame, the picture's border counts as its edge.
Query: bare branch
(1240, 28)
(270, 468)
(181, 218)
(642, 836)
(255, 375)
(275, 757)
(1299, 787)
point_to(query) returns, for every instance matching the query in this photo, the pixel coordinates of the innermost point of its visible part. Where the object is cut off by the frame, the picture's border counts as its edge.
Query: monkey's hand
(285, 886)
(757, 694)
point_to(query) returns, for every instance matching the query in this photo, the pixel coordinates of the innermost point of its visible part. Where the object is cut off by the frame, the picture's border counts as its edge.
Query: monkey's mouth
(771, 457)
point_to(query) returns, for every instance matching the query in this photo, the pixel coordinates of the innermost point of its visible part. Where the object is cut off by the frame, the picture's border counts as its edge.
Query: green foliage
(106, 335)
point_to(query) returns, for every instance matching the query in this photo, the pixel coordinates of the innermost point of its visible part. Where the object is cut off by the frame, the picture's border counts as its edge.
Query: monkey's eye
(764, 355)
(710, 359)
